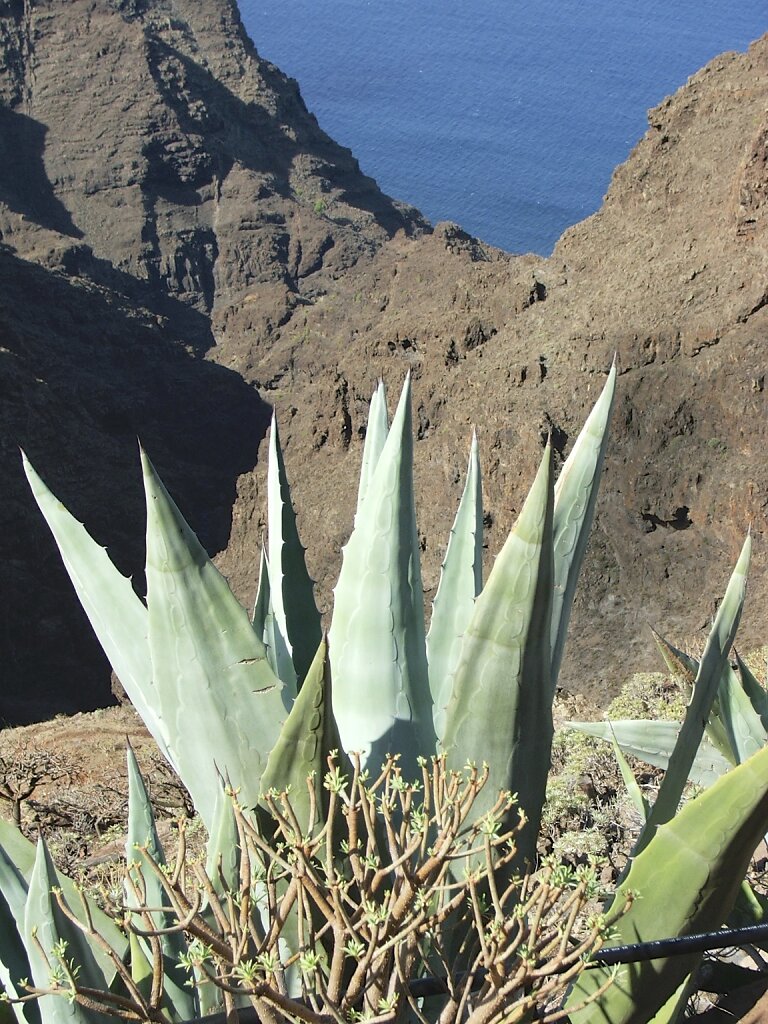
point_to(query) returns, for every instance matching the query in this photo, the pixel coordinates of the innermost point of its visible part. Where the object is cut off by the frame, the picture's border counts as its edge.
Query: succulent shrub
(258, 704)
(361, 913)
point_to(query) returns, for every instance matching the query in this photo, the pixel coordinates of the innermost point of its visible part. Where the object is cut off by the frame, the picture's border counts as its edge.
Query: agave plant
(221, 694)
(734, 729)
(259, 703)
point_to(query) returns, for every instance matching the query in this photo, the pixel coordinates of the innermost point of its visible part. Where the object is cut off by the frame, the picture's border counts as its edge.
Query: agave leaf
(745, 730)
(222, 866)
(45, 928)
(750, 908)
(298, 763)
(263, 600)
(713, 663)
(500, 711)
(222, 861)
(118, 617)
(14, 963)
(142, 844)
(293, 599)
(633, 789)
(671, 1010)
(575, 499)
(141, 968)
(219, 698)
(461, 580)
(685, 668)
(681, 665)
(18, 849)
(178, 999)
(267, 629)
(381, 698)
(375, 438)
(754, 690)
(686, 881)
(653, 742)
(22, 854)
(734, 725)
(299, 758)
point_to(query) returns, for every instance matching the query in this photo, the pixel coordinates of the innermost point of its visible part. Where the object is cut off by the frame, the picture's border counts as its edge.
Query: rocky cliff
(182, 247)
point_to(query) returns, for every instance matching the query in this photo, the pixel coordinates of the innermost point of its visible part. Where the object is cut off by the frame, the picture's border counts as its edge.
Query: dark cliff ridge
(154, 174)
(182, 247)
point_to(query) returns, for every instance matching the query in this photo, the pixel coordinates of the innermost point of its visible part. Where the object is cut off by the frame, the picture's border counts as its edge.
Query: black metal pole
(640, 951)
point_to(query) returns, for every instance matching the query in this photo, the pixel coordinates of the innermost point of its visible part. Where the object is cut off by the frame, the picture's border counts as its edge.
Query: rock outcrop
(183, 247)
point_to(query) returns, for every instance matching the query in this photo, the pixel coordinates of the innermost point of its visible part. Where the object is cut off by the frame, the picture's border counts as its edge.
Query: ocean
(508, 118)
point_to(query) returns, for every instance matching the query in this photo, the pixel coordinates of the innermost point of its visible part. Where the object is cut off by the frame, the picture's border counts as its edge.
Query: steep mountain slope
(672, 274)
(154, 172)
(182, 246)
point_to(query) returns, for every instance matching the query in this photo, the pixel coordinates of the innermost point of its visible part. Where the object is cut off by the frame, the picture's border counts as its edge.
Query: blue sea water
(503, 116)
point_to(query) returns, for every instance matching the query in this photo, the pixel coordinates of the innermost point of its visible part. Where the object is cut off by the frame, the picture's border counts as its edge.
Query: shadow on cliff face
(189, 324)
(81, 376)
(24, 184)
(250, 135)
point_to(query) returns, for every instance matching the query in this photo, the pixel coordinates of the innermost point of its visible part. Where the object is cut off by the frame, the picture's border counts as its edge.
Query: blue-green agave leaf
(141, 967)
(743, 725)
(734, 725)
(222, 866)
(375, 436)
(222, 862)
(14, 963)
(674, 1006)
(461, 580)
(685, 881)
(18, 849)
(292, 593)
(684, 667)
(500, 711)
(299, 758)
(757, 693)
(220, 700)
(714, 661)
(633, 789)
(653, 742)
(575, 500)
(117, 615)
(262, 604)
(737, 724)
(381, 698)
(267, 629)
(22, 855)
(142, 842)
(46, 928)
